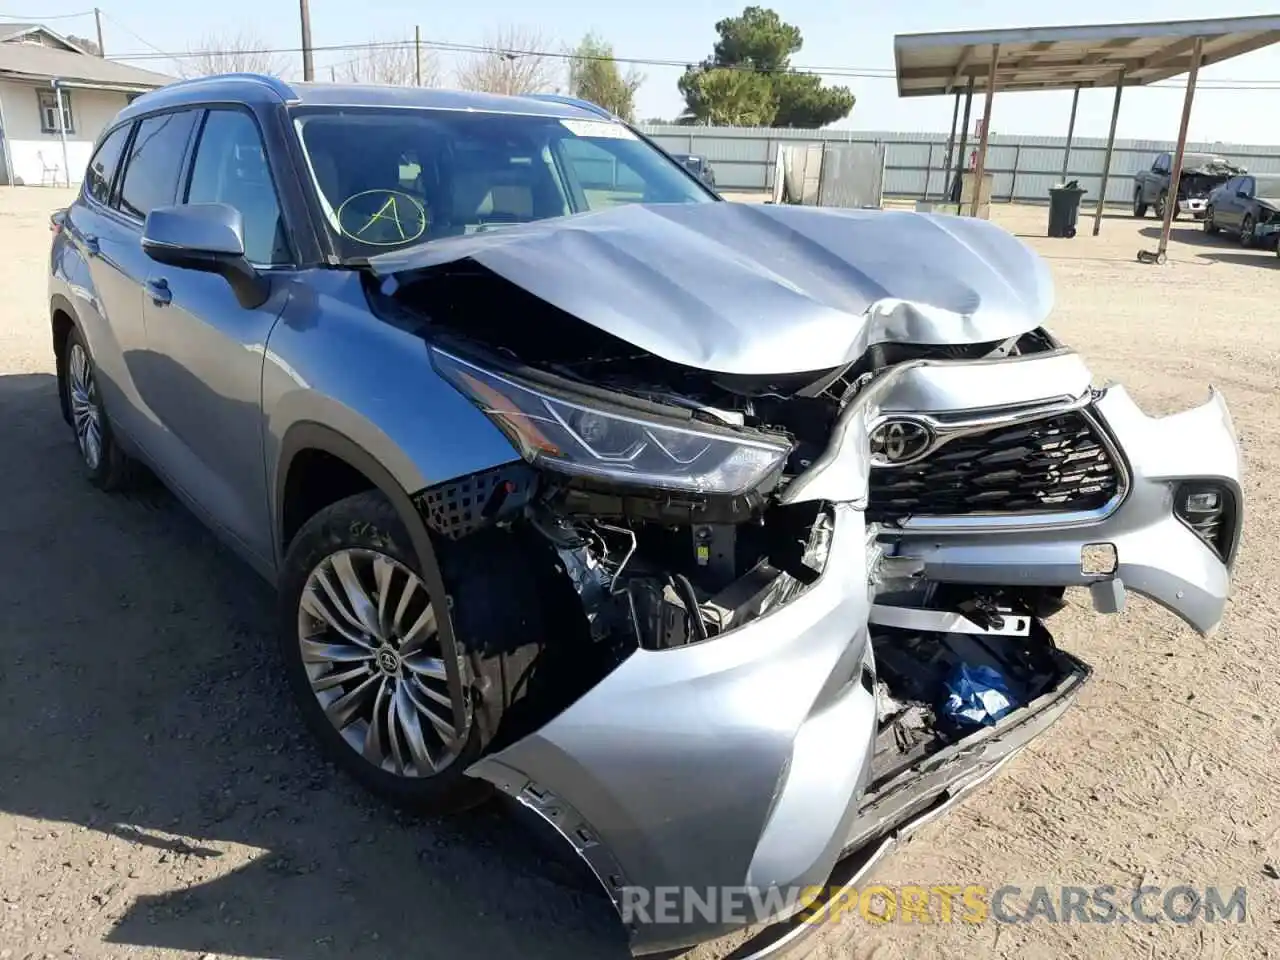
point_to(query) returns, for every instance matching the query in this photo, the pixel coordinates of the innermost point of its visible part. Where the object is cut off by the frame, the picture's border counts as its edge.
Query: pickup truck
(1201, 172)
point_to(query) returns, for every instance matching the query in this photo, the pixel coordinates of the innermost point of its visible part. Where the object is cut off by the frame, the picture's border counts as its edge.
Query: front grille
(1056, 464)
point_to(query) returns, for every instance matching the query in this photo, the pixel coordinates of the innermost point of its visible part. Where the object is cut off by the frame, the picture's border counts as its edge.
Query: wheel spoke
(366, 613)
(412, 729)
(326, 584)
(443, 726)
(384, 572)
(426, 666)
(336, 679)
(319, 651)
(373, 748)
(393, 721)
(406, 595)
(423, 629)
(315, 605)
(343, 710)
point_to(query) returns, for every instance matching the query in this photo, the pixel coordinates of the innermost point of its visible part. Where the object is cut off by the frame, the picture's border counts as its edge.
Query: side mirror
(1242, 194)
(207, 237)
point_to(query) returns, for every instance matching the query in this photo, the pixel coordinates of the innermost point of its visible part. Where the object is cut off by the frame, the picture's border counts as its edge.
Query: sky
(856, 35)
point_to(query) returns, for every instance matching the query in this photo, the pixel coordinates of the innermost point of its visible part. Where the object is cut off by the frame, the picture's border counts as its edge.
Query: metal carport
(1115, 55)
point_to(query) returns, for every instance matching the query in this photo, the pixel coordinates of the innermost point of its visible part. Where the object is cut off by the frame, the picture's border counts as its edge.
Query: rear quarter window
(102, 166)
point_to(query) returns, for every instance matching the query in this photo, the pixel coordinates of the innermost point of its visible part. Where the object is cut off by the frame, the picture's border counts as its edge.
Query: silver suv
(720, 536)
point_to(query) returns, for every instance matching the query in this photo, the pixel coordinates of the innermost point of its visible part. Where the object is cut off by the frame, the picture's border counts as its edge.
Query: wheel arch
(62, 319)
(307, 437)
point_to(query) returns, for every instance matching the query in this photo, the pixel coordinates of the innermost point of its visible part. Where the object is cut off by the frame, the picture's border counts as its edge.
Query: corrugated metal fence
(1024, 167)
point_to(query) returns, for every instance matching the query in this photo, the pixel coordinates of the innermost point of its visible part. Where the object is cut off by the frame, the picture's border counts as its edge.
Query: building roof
(1054, 58)
(10, 32)
(30, 61)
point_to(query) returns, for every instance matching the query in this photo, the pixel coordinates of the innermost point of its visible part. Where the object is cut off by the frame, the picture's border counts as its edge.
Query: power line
(865, 73)
(135, 36)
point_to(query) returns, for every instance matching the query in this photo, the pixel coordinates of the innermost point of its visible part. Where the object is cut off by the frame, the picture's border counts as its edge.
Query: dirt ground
(159, 800)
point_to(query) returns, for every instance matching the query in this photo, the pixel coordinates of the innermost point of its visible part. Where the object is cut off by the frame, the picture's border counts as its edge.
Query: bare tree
(392, 62)
(513, 63)
(231, 53)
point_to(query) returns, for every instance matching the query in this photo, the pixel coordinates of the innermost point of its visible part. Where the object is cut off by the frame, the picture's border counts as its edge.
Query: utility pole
(417, 54)
(97, 18)
(308, 68)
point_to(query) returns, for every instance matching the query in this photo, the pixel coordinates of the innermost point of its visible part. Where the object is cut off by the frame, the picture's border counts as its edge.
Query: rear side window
(102, 168)
(151, 177)
(231, 168)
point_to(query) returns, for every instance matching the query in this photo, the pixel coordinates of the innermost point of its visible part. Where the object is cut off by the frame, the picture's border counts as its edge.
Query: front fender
(329, 361)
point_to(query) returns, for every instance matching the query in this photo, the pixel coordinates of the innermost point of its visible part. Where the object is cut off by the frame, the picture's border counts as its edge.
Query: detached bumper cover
(1158, 555)
(735, 762)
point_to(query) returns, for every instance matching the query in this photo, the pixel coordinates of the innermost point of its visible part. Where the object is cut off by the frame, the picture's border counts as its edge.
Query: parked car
(1201, 173)
(1248, 206)
(720, 536)
(699, 165)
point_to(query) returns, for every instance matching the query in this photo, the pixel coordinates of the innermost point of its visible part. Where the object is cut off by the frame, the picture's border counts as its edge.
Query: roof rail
(274, 84)
(573, 102)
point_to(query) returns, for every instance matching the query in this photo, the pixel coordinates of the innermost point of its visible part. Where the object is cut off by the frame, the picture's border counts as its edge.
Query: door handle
(159, 291)
(91, 245)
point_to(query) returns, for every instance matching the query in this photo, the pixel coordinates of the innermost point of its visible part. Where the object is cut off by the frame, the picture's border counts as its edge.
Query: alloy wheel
(1246, 231)
(369, 642)
(86, 415)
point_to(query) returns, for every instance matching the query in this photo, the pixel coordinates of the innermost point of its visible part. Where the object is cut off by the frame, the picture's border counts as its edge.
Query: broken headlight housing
(588, 437)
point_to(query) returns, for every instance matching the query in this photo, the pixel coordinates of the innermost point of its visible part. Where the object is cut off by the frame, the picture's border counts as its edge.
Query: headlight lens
(575, 437)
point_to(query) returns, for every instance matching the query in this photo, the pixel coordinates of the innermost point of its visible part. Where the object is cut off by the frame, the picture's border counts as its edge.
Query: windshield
(392, 177)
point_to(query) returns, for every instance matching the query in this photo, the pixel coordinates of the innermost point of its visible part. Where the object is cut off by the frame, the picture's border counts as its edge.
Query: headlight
(584, 438)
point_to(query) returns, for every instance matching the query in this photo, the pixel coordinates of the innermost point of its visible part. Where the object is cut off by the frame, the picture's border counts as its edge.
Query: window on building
(48, 100)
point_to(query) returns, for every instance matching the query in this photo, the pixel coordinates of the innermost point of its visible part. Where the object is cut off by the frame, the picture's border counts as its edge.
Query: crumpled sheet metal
(762, 289)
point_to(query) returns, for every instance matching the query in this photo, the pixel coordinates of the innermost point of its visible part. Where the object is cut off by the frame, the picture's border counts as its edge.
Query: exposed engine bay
(655, 568)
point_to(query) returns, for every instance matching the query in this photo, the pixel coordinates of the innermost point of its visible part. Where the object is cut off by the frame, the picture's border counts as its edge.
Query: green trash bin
(1064, 209)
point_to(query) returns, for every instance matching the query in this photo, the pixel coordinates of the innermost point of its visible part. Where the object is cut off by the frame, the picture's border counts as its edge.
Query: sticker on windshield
(602, 129)
(382, 218)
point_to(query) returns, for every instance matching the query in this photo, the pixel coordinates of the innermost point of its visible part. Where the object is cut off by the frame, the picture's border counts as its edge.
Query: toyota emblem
(900, 441)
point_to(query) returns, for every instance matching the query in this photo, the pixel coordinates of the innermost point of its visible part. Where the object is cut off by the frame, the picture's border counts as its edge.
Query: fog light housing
(1209, 509)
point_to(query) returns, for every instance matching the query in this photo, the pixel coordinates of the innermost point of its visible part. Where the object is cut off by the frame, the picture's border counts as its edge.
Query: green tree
(759, 44)
(594, 75)
(721, 96)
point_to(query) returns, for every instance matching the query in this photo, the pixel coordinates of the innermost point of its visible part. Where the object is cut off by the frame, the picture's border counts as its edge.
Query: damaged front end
(798, 592)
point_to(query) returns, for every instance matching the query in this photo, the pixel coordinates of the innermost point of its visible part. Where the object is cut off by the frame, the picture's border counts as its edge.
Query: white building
(39, 70)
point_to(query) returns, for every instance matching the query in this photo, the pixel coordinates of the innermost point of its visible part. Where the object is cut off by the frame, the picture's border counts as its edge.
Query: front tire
(1210, 227)
(1139, 208)
(360, 635)
(108, 466)
(1246, 231)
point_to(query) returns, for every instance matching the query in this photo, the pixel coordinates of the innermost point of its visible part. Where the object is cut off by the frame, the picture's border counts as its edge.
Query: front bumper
(1196, 206)
(1158, 555)
(734, 763)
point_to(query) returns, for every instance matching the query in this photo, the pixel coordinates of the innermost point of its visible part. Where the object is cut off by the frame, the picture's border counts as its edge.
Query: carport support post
(1071, 132)
(954, 192)
(981, 166)
(1106, 161)
(951, 142)
(1175, 175)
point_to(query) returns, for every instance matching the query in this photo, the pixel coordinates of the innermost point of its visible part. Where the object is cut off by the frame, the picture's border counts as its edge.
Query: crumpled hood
(761, 289)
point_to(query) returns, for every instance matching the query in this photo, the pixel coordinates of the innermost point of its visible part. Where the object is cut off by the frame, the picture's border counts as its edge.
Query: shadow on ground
(140, 697)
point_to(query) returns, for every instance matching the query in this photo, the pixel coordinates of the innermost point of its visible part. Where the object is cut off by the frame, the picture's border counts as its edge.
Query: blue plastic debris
(976, 695)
